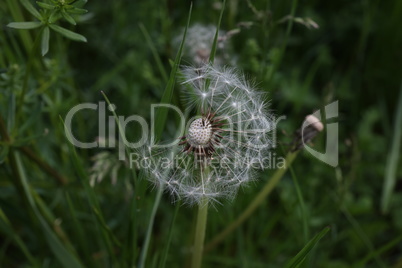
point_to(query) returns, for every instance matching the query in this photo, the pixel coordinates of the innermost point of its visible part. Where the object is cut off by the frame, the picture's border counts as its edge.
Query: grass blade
(7, 230)
(17, 15)
(79, 231)
(363, 236)
(65, 257)
(145, 247)
(105, 227)
(299, 258)
(214, 43)
(154, 52)
(303, 209)
(92, 199)
(131, 248)
(379, 251)
(167, 246)
(393, 157)
(213, 49)
(161, 114)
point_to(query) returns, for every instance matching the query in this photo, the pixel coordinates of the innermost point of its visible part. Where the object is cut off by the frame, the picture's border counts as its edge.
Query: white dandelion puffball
(224, 144)
(199, 41)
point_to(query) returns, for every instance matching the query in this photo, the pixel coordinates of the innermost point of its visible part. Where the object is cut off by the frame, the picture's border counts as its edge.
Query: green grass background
(57, 219)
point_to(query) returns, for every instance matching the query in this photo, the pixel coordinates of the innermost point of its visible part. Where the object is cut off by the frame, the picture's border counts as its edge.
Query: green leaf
(31, 9)
(78, 11)
(54, 16)
(68, 18)
(45, 6)
(45, 40)
(25, 25)
(67, 33)
(80, 3)
(299, 258)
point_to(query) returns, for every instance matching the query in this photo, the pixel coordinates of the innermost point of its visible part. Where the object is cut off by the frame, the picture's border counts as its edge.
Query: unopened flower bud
(310, 128)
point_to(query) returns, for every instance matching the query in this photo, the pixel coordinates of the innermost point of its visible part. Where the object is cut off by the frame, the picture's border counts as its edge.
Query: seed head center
(200, 132)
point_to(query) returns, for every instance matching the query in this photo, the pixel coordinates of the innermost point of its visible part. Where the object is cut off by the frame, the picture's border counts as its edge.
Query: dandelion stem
(200, 233)
(262, 195)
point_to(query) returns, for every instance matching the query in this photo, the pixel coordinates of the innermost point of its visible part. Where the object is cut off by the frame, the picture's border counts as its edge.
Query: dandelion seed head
(228, 137)
(198, 43)
(200, 132)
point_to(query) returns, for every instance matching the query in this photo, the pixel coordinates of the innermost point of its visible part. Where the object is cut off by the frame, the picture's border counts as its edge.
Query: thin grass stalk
(166, 249)
(392, 159)
(363, 236)
(154, 51)
(144, 252)
(306, 233)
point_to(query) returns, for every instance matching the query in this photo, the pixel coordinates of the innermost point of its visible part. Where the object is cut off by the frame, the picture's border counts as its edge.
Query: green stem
(144, 251)
(169, 239)
(200, 233)
(303, 209)
(262, 195)
(28, 70)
